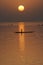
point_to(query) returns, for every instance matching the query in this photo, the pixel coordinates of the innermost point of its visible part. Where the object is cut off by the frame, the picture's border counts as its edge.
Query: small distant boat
(25, 32)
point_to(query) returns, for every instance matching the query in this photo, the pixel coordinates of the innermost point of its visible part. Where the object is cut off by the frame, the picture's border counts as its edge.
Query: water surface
(21, 49)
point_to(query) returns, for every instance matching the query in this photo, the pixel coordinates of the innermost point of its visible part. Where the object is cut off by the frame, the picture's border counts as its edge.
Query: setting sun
(21, 8)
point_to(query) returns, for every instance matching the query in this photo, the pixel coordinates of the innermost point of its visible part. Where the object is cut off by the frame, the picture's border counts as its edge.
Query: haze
(33, 10)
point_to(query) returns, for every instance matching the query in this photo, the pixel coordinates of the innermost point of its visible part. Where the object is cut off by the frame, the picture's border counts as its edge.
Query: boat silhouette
(24, 31)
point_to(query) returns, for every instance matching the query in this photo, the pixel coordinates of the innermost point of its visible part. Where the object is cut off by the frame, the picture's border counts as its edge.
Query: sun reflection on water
(21, 26)
(21, 43)
(21, 37)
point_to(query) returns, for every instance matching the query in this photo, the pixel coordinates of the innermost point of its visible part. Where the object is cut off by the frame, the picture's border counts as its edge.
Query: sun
(21, 8)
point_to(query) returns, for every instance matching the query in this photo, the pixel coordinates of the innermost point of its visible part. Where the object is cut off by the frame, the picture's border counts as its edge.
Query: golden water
(21, 49)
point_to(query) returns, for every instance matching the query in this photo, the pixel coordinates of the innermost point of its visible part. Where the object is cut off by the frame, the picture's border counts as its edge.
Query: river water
(21, 49)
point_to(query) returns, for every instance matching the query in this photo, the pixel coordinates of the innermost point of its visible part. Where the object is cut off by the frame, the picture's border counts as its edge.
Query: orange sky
(11, 5)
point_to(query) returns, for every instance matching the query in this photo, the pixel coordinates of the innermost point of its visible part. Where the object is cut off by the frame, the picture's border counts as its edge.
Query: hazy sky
(33, 10)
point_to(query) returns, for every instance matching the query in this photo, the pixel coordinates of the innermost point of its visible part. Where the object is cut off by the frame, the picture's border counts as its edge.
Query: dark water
(25, 49)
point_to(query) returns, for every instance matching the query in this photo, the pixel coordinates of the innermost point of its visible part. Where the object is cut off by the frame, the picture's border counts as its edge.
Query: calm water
(21, 49)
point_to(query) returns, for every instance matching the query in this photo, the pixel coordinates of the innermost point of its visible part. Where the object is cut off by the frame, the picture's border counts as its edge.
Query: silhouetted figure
(21, 30)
